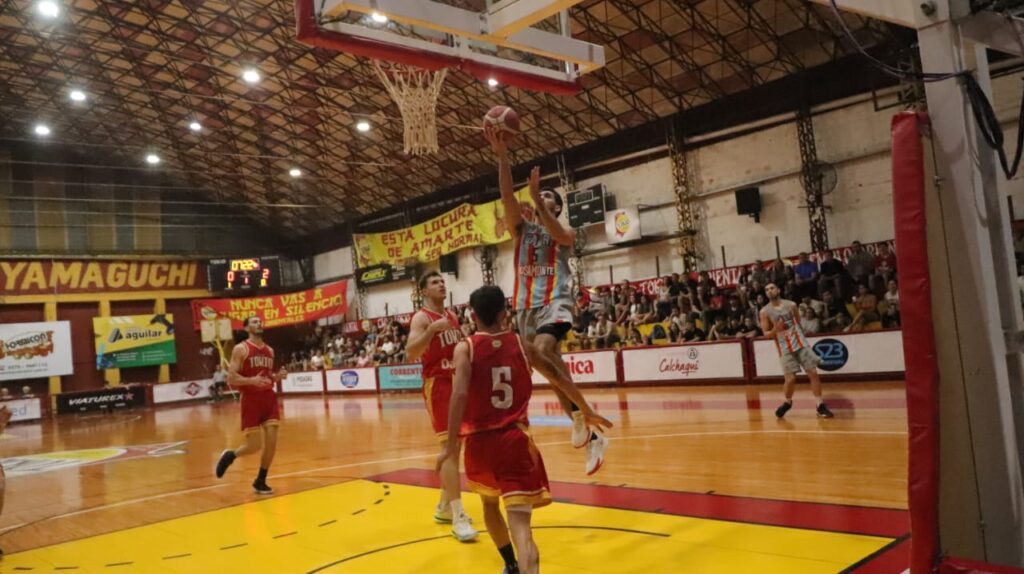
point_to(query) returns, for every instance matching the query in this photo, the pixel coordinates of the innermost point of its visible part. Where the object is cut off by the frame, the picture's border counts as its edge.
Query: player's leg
(790, 367)
(253, 443)
(519, 517)
(266, 458)
(812, 374)
(498, 531)
(462, 526)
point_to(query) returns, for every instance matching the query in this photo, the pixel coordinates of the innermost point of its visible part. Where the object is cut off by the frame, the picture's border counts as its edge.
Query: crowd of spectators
(833, 297)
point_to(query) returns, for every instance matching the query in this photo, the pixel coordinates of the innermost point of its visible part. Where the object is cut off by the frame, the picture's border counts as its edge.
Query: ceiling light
(363, 126)
(195, 126)
(294, 172)
(251, 76)
(77, 95)
(42, 130)
(152, 159)
(48, 9)
(492, 82)
(379, 18)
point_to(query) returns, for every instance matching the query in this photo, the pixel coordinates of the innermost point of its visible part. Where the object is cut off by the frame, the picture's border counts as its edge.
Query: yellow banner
(465, 226)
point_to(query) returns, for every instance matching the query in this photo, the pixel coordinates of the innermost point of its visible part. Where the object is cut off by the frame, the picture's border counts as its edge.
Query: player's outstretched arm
(562, 235)
(554, 375)
(457, 403)
(237, 380)
(513, 216)
(766, 325)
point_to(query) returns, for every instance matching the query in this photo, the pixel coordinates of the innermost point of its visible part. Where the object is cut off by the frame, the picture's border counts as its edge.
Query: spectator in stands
(866, 304)
(664, 294)
(832, 271)
(675, 332)
(641, 311)
(387, 350)
(220, 383)
(735, 325)
(635, 338)
(691, 333)
(720, 331)
(892, 305)
(622, 303)
(885, 262)
(832, 309)
(716, 302)
(734, 310)
(317, 361)
(789, 290)
(756, 290)
(364, 359)
(809, 321)
(602, 332)
(758, 274)
(675, 287)
(758, 303)
(749, 329)
(807, 274)
(817, 306)
(777, 275)
(860, 264)
(606, 300)
(704, 280)
(26, 392)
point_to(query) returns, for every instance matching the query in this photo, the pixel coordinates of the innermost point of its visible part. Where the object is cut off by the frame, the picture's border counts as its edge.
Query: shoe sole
(582, 445)
(442, 520)
(215, 471)
(456, 536)
(600, 463)
(263, 492)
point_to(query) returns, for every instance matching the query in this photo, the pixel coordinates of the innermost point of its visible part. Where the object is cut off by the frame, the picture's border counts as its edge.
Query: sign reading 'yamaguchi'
(25, 277)
(275, 310)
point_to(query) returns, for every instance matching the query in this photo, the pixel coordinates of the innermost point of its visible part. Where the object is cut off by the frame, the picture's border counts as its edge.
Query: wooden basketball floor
(696, 480)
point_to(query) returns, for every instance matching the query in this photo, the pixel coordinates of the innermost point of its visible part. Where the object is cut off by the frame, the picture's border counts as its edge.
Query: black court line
(864, 561)
(285, 534)
(65, 567)
(177, 556)
(22, 567)
(235, 546)
(378, 501)
(377, 550)
(328, 523)
(360, 511)
(608, 528)
(120, 564)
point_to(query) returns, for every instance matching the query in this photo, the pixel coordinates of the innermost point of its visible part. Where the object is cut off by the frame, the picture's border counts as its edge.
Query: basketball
(502, 119)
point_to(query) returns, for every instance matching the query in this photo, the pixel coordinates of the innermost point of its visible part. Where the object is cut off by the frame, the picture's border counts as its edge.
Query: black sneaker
(226, 458)
(262, 488)
(783, 409)
(823, 412)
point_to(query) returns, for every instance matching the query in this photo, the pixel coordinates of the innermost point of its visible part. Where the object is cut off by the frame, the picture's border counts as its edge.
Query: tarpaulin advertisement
(275, 310)
(34, 350)
(134, 341)
(467, 225)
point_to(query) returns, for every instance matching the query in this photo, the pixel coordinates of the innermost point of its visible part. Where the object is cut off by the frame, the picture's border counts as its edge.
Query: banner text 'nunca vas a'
(467, 225)
(275, 310)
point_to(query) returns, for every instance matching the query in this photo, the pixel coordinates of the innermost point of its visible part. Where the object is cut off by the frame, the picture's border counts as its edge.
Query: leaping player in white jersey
(543, 298)
(781, 320)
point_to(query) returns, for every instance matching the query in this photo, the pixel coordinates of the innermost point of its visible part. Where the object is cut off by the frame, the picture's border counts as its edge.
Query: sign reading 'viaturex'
(24, 277)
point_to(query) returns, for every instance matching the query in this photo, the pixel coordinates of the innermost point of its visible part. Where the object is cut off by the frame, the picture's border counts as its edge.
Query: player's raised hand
(499, 145)
(535, 187)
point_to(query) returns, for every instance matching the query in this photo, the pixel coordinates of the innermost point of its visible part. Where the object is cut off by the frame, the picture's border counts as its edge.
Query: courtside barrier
(692, 363)
(870, 355)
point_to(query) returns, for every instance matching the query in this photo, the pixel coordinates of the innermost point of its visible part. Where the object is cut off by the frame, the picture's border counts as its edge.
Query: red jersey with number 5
(500, 385)
(437, 359)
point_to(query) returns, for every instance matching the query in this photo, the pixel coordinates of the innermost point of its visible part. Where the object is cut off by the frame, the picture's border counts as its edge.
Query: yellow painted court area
(366, 527)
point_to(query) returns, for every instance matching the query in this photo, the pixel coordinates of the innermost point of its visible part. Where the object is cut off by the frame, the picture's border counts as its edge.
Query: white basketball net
(415, 90)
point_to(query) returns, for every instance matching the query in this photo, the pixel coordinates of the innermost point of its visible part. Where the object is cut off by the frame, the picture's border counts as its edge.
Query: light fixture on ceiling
(48, 9)
(363, 126)
(492, 82)
(42, 130)
(77, 96)
(195, 126)
(251, 76)
(379, 18)
(295, 172)
(152, 159)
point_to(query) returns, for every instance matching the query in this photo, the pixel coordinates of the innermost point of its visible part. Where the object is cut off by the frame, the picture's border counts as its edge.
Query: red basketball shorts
(437, 392)
(506, 463)
(259, 408)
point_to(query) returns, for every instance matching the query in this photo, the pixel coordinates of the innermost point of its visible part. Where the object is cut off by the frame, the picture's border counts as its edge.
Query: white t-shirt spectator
(388, 348)
(317, 362)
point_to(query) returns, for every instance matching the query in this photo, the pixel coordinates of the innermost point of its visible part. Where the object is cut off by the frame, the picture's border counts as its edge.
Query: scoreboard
(248, 274)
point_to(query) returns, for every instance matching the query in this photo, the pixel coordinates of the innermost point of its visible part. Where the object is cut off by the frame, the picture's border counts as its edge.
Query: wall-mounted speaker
(748, 202)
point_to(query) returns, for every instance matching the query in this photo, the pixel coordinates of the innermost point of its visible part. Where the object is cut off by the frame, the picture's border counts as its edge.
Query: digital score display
(249, 274)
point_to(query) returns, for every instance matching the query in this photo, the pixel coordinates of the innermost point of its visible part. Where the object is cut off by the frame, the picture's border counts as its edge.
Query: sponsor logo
(622, 223)
(193, 388)
(28, 345)
(140, 333)
(405, 371)
(536, 270)
(349, 379)
(834, 354)
(101, 399)
(50, 461)
(582, 367)
(684, 367)
(375, 274)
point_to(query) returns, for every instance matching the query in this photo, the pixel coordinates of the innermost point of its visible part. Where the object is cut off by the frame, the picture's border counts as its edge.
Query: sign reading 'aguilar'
(134, 341)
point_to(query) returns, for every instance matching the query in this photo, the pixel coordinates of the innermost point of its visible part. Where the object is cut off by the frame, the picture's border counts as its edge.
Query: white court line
(434, 454)
(6, 528)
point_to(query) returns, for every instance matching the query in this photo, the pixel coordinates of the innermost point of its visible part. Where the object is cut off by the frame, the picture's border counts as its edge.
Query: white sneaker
(443, 513)
(595, 453)
(463, 530)
(580, 432)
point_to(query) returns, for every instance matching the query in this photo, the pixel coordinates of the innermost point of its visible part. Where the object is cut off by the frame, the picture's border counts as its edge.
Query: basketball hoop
(415, 90)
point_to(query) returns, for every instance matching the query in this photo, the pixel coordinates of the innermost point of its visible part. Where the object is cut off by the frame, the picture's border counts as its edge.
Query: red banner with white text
(275, 310)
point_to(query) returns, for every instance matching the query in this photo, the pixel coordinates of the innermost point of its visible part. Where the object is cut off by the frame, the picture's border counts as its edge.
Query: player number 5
(500, 378)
